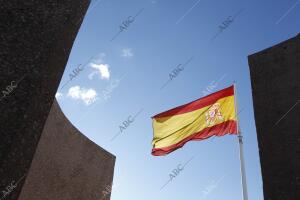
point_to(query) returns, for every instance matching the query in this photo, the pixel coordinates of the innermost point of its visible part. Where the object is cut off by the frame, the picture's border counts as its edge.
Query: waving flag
(213, 115)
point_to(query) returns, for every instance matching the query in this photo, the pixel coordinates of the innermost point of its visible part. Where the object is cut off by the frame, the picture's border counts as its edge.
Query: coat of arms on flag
(213, 115)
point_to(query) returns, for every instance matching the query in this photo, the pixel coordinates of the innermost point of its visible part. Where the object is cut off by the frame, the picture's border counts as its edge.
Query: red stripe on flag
(197, 104)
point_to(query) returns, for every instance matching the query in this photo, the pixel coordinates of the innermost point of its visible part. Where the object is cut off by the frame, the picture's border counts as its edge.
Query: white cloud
(58, 95)
(127, 53)
(88, 96)
(101, 69)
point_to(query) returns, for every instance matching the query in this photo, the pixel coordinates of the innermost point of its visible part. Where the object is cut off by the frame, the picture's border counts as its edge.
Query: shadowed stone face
(275, 79)
(35, 41)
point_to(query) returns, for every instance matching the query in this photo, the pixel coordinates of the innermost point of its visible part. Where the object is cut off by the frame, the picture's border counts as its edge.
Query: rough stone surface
(275, 78)
(67, 165)
(35, 41)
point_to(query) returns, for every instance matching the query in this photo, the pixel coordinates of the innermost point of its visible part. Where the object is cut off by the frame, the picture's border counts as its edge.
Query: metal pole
(240, 139)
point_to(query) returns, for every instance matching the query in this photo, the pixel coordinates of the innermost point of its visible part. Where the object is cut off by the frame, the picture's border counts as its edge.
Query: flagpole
(241, 148)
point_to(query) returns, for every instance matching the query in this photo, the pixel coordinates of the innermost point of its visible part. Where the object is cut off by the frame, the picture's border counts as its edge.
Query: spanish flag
(212, 115)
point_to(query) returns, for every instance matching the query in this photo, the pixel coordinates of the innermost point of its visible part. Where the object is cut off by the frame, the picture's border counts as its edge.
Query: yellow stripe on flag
(171, 130)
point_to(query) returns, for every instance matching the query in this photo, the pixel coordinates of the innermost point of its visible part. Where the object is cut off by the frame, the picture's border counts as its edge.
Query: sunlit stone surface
(67, 165)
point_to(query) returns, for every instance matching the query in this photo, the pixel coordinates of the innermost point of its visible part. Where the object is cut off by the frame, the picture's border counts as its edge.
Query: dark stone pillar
(35, 41)
(275, 79)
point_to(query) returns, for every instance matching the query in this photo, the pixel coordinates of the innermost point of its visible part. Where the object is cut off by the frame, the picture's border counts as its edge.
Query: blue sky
(128, 77)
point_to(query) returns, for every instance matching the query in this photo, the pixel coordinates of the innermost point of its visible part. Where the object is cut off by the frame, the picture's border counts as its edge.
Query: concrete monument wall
(36, 38)
(275, 79)
(67, 165)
